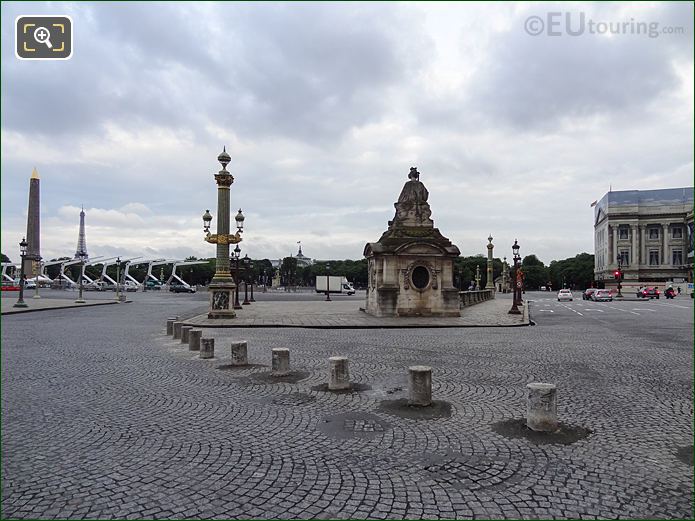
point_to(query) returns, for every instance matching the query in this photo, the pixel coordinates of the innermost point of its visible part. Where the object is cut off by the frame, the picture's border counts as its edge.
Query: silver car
(602, 295)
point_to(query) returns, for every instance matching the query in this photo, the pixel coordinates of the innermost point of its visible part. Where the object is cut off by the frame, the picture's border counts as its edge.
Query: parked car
(587, 293)
(10, 286)
(649, 293)
(29, 284)
(564, 294)
(669, 293)
(152, 284)
(129, 285)
(180, 288)
(602, 295)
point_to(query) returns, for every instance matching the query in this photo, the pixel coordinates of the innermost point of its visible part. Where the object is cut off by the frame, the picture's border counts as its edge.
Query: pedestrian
(679, 290)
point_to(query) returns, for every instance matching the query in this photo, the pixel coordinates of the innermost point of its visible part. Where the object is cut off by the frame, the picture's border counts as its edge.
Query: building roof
(643, 198)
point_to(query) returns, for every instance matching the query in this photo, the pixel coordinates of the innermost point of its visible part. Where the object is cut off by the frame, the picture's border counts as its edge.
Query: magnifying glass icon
(43, 35)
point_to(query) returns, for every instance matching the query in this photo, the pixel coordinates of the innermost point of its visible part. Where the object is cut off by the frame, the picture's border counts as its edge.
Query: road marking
(547, 310)
(613, 307)
(572, 310)
(590, 309)
(670, 305)
(642, 309)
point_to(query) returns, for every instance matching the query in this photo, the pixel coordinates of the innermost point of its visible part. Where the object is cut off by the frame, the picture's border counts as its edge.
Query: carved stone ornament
(220, 300)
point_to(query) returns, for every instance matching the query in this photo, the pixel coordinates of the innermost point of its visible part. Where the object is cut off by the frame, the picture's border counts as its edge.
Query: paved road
(106, 417)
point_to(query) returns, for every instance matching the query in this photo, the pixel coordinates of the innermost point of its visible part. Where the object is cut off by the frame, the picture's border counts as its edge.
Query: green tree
(575, 272)
(288, 271)
(535, 272)
(4, 258)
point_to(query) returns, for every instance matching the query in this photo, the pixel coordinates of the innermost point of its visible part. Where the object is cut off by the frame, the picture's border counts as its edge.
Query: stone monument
(411, 265)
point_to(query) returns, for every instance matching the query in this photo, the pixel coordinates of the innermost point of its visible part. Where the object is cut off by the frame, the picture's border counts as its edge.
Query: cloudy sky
(324, 107)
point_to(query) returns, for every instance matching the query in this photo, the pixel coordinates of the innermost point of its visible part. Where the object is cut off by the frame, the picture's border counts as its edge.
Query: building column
(643, 245)
(664, 245)
(614, 257)
(634, 245)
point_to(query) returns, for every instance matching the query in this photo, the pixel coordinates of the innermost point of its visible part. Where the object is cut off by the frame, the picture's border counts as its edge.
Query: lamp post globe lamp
(22, 253)
(236, 253)
(246, 263)
(517, 282)
(328, 282)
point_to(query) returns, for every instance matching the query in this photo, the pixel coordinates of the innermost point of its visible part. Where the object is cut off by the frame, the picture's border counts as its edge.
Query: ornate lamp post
(118, 279)
(82, 255)
(477, 278)
(490, 284)
(328, 282)
(222, 285)
(246, 262)
(236, 254)
(517, 284)
(23, 253)
(253, 278)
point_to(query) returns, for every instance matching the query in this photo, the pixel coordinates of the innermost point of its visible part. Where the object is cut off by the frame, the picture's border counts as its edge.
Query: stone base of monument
(221, 299)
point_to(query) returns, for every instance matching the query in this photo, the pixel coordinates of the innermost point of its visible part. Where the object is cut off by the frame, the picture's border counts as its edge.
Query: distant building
(81, 239)
(302, 261)
(651, 231)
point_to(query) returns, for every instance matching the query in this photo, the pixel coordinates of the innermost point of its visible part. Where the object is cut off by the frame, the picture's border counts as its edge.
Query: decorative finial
(489, 238)
(414, 175)
(35, 174)
(224, 158)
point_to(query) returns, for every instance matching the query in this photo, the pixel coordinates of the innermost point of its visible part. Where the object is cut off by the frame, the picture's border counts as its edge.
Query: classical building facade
(650, 231)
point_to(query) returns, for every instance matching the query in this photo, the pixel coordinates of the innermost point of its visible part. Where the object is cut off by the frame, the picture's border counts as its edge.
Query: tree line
(574, 272)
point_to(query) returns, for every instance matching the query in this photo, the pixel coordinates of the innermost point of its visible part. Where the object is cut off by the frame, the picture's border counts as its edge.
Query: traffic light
(617, 274)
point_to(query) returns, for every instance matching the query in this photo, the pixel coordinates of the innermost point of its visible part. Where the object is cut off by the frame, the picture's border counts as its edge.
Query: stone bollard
(239, 353)
(339, 373)
(541, 407)
(170, 325)
(420, 385)
(184, 333)
(194, 339)
(177, 329)
(281, 362)
(207, 347)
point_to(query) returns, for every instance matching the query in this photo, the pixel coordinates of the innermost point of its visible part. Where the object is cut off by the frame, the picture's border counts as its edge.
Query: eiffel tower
(81, 240)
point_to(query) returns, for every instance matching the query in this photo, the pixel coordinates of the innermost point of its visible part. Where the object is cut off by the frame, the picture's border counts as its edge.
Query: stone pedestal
(240, 353)
(194, 337)
(281, 362)
(420, 385)
(411, 266)
(207, 348)
(185, 330)
(177, 330)
(541, 407)
(222, 299)
(339, 373)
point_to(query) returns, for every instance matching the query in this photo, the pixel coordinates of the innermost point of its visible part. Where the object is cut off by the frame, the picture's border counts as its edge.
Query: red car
(648, 293)
(9, 287)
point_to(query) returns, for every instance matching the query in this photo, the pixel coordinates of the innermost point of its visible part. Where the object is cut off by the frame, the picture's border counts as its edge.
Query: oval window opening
(421, 277)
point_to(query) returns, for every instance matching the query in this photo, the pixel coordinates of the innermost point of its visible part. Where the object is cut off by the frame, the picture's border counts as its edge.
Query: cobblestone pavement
(346, 314)
(104, 416)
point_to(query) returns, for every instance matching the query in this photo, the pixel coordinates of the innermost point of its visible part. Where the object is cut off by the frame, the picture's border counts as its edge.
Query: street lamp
(82, 255)
(516, 299)
(118, 279)
(328, 282)
(246, 261)
(22, 252)
(253, 278)
(223, 286)
(236, 253)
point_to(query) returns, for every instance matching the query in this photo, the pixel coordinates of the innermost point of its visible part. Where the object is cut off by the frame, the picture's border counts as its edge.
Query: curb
(88, 305)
